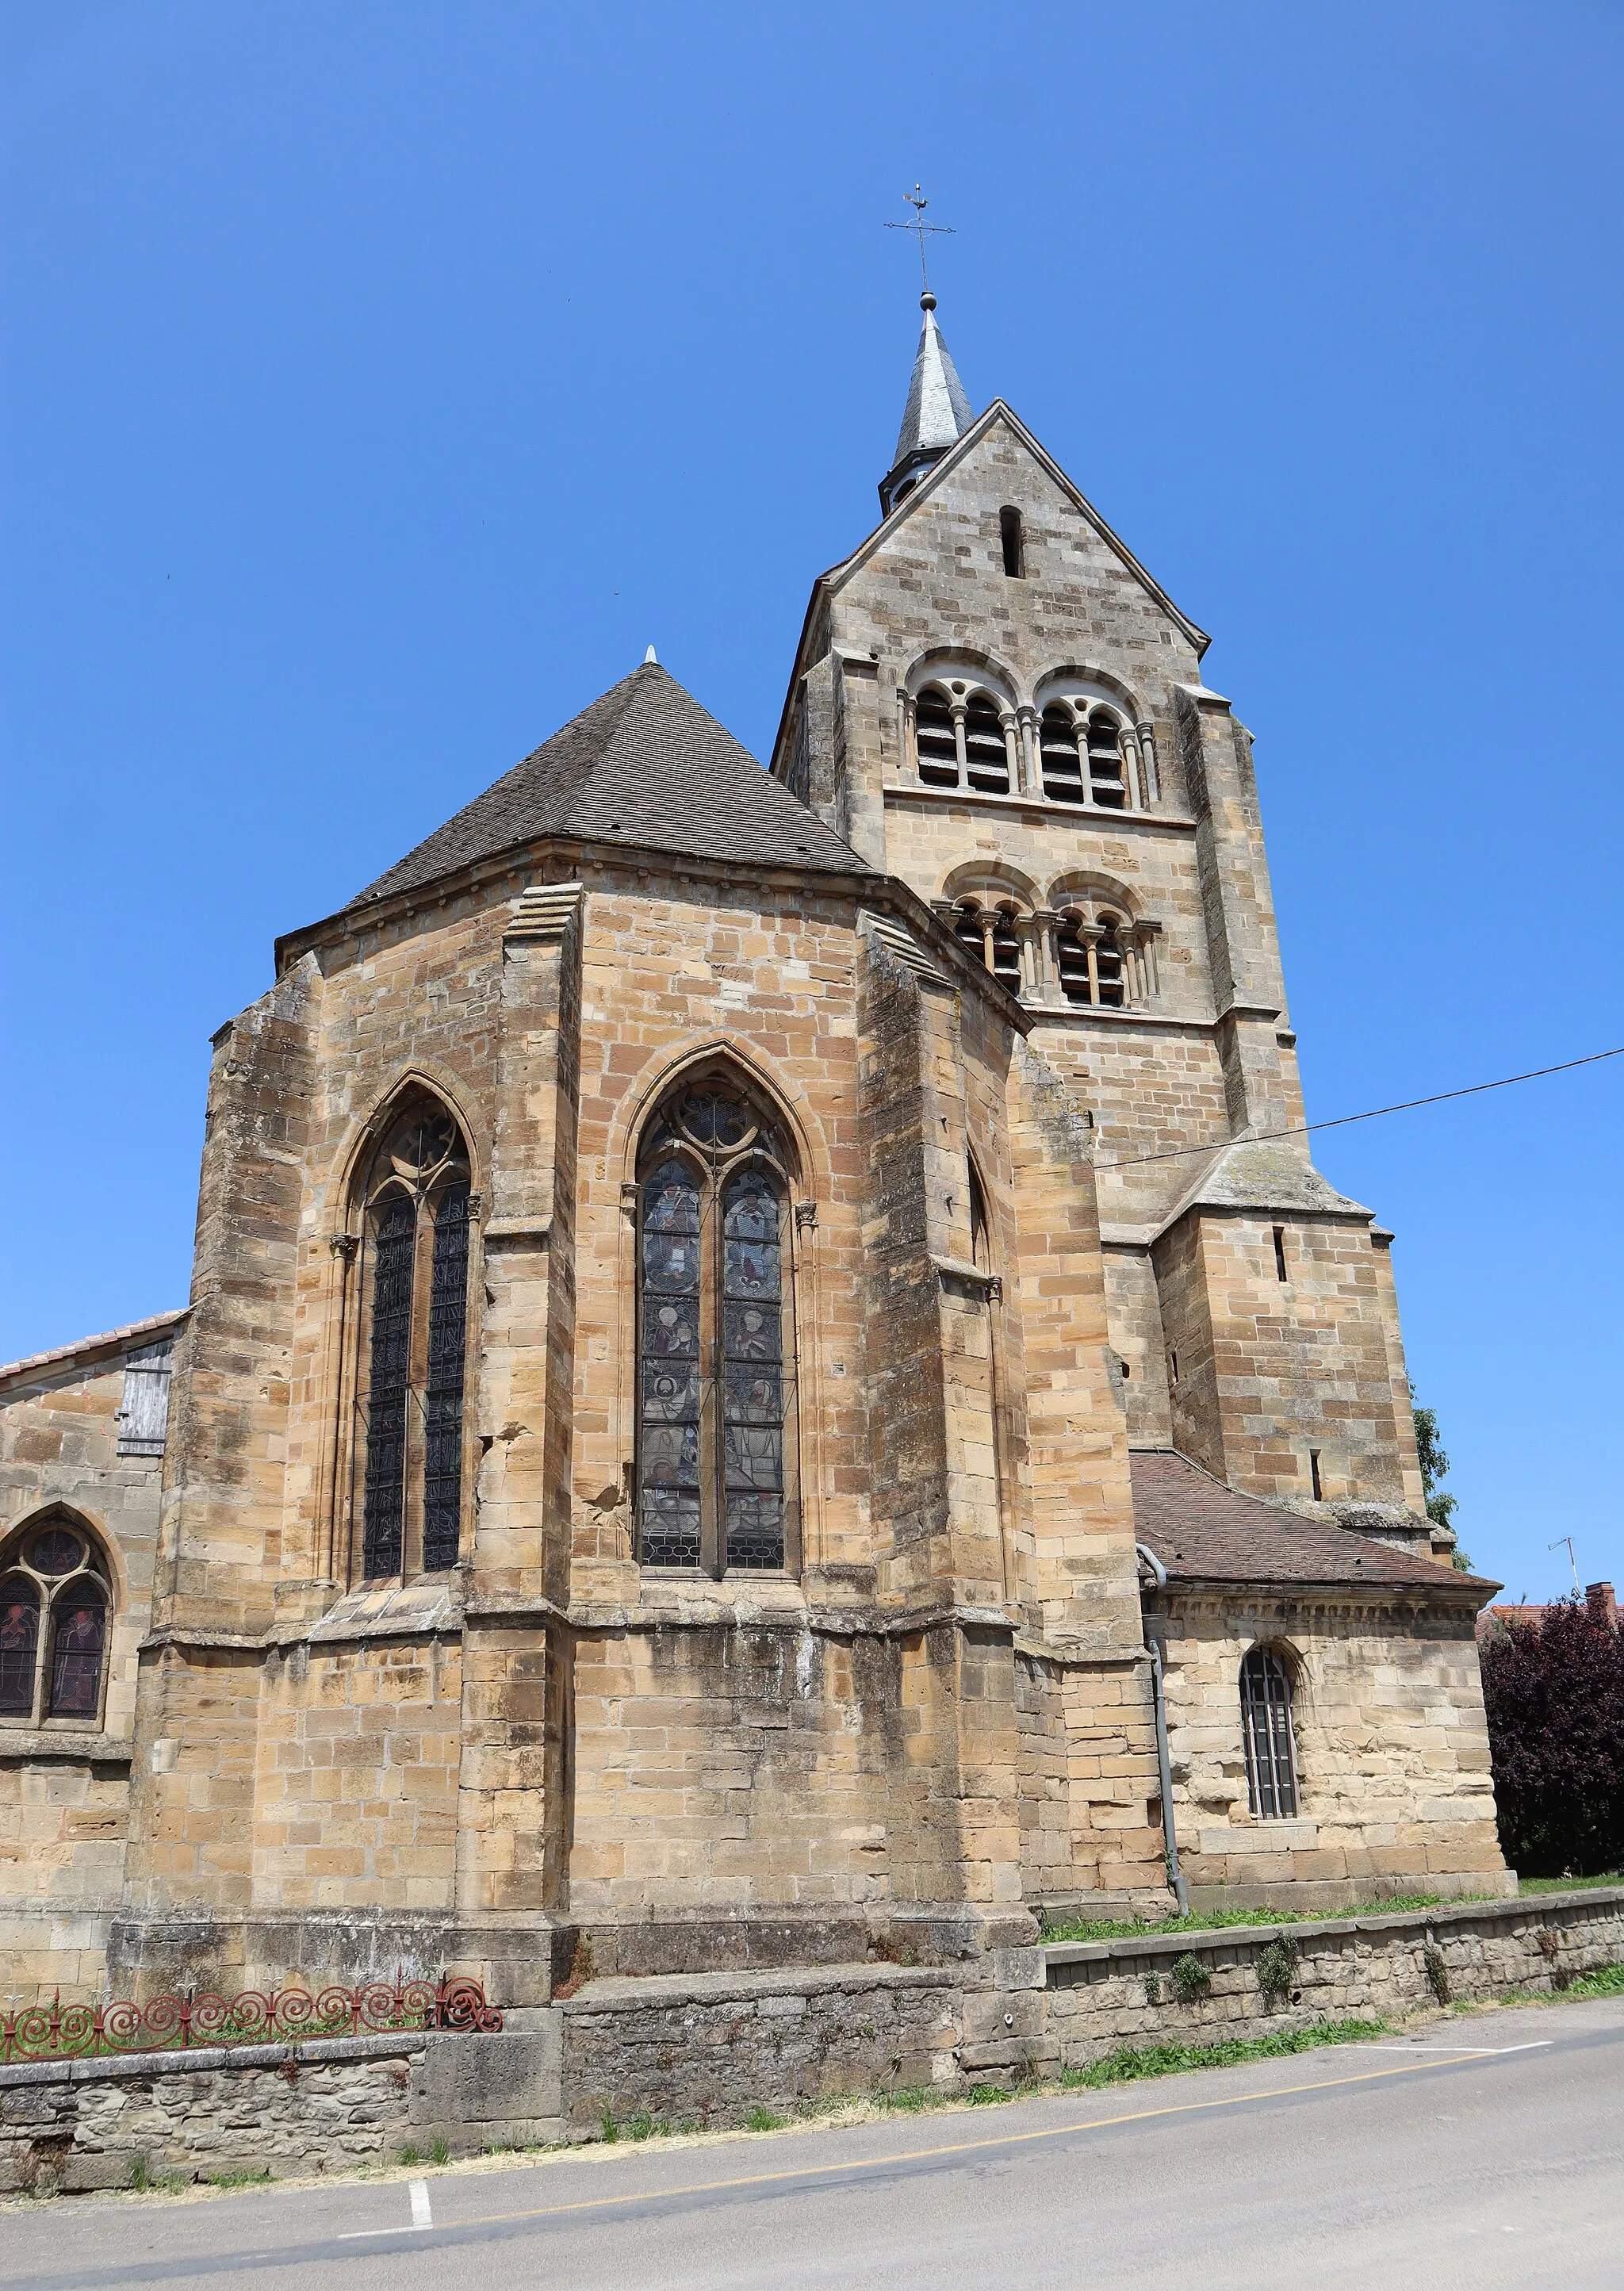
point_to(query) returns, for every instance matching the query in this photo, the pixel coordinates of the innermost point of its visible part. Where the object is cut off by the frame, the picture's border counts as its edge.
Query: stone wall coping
(631, 1993)
(200, 2060)
(33, 1743)
(1416, 1921)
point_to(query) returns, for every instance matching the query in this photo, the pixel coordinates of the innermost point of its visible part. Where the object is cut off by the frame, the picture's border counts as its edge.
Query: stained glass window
(53, 1613)
(395, 1242)
(19, 1642)
(715, 1349)
(448, 1348)
(410, 1413)
(78, 1620)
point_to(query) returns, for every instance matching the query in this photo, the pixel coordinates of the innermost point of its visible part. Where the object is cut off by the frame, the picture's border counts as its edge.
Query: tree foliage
(1441, 1507)
(1554, 1691)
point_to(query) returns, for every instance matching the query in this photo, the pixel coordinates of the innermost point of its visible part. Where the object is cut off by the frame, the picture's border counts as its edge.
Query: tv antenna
(923, 230)
(1557, 1546)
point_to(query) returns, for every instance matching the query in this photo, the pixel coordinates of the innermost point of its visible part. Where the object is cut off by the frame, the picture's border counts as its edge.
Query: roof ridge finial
(923, 230)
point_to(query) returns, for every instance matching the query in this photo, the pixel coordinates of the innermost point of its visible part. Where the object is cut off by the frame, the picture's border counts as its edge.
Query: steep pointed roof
(938, 413)
(644, 765)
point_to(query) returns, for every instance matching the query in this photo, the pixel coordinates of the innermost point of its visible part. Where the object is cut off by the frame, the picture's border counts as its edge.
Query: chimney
(1600, 1604)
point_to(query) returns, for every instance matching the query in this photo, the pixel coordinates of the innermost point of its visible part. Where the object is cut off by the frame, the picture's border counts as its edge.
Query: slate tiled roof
(1201, 1530)
(643, 765)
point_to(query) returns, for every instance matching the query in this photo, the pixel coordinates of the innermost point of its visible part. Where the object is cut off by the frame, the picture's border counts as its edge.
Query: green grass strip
(1215, 1920)
(1134, 2061)
(1606, 1980)
(1568, 1884)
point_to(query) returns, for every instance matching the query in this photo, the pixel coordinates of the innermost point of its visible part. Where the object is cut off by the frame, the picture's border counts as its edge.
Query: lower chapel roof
(1201, 1530)
(644, 765)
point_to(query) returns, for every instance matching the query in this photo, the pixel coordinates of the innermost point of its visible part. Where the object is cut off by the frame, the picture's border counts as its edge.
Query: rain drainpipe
(1170, 1830)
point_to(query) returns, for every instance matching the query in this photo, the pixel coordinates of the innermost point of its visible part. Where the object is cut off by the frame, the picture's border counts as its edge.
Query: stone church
(767, 1377)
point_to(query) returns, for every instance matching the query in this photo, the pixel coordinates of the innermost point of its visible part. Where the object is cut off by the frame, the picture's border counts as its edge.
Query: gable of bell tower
(995, 701)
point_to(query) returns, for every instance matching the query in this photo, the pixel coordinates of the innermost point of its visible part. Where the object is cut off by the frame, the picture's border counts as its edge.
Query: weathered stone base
(705, 2048)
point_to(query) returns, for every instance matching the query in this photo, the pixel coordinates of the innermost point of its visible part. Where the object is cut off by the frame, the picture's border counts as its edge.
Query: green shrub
(1437, 1972)
(1191, 1979)
(1277, 1970)
(762, 2119)
(606, 2124)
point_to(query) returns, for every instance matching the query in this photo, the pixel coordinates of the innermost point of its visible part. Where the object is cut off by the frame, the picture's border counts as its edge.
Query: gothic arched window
(414, 1289)
(716, 1483)
(935, 740)
(1265, 1726)
(55, 1601)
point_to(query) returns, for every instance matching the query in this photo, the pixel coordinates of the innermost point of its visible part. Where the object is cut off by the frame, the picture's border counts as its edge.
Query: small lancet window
(1266, 1725)
(716, 1470)
(1010, 535)
(938, 749)
(986, 758)
(1062, 759)
(414, 1287)
(53, 1623)
(980, 1252)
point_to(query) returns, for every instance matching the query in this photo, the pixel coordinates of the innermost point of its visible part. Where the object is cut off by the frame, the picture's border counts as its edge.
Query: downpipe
(1164, 1765)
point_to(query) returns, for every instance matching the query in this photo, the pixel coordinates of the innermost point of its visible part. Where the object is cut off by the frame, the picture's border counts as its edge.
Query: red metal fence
(62, 2032)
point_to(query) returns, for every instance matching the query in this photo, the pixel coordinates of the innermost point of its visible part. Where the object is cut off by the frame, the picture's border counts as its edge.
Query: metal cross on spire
(921, 229)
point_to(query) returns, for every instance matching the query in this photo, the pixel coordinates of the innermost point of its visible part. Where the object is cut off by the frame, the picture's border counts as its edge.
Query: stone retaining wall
(700, 2048)
(706, 2048)
(1103, 1994)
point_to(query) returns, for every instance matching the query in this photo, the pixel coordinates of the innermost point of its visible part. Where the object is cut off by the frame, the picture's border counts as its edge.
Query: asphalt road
(1485, 2150)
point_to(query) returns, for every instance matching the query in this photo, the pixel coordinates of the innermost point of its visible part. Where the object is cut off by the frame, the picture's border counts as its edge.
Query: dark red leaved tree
(1555, 1694)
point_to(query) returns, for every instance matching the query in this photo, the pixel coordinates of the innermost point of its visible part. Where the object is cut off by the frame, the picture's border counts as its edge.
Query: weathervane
(923, 230)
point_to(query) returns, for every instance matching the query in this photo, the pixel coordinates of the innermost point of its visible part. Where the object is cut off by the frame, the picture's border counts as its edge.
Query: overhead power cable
(1301, 1128)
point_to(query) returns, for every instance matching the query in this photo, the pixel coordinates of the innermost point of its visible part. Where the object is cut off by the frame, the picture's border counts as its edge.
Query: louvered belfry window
(415, 1287)
(1265, 1723)
(716, 1350)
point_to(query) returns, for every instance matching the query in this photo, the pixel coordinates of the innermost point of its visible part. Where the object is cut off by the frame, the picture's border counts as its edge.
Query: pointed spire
(937, 414)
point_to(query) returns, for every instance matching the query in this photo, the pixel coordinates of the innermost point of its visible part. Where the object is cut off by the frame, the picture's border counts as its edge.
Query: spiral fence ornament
(253, 2017)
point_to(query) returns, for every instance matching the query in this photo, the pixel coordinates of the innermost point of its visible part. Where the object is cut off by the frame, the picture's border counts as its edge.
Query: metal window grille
(1266, 1725)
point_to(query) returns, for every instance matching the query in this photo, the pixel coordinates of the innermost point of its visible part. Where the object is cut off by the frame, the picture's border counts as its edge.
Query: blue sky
(379, 378)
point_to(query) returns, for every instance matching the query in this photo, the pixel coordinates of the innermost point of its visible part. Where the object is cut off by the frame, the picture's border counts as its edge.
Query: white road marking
(1480, 2052)
(421, 2216)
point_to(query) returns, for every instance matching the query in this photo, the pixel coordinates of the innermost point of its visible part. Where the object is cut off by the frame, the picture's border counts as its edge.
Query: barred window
(1265, 1726)
(717, 1485)
(415, 1291)
(54, 1599)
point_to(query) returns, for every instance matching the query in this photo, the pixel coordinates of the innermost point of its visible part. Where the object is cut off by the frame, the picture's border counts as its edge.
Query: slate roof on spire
(644, 765)
(938, 413)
